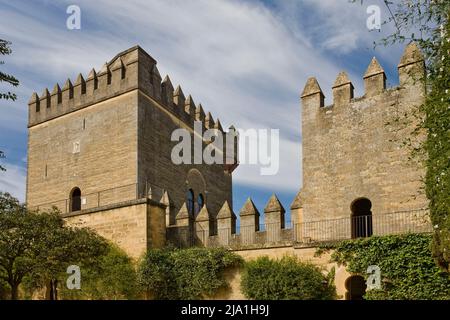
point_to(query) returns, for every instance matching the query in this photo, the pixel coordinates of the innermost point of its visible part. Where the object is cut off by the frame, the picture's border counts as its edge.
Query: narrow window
(75, 199)
(190, 202)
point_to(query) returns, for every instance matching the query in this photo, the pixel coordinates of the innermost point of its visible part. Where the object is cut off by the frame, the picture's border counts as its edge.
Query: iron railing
(104, 197)
(415, 221)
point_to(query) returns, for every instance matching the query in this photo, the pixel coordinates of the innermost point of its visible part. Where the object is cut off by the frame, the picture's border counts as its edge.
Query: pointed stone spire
(178, 97)
(411, 69)
(218, 125)
(45, 94)
(274, 205)
(56, 89)
(209, 121)
(297, 215)
(155, 80)
(183, 218)
(411, 54)
(67, 90)
(189, 106)
(34, 103)
(312, 95)
(45, 98)
(342, 89)
(104, 69)
(199, 113)
(225, 212)
(374, 79)
(226, 223)
(92, 74)
(311, 87)
(80, 82)
(249, 208)
(203, 215)
(297, 203)
(68, 85)
(34, 97)
(167, 91)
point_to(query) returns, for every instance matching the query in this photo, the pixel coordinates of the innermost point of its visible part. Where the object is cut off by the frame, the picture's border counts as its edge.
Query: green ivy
(193, 273)
(407, 267)
(286, 279)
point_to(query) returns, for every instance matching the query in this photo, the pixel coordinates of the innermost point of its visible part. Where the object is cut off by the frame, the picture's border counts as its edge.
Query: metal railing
(105, 197)
(416, 221)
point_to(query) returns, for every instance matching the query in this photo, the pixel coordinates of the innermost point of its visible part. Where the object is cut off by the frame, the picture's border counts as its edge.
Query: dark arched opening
(75, 199)
(200, 203)
(190, 202)
(356, 288)
(361, 218)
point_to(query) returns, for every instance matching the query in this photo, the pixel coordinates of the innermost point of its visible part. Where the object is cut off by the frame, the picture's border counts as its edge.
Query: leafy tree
(6, 50)
(427, 23)
(408, 270)
(286, 279)
(113, 277)
(193, 273)
(38, 245)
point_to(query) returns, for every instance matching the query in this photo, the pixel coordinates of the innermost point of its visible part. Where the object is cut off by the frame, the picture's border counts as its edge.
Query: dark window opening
(356, 288)
(190, 202)
(200, 203)
(75, 200)
(361, 218)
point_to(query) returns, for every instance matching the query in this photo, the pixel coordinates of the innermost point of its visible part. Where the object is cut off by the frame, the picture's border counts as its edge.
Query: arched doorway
(361, 219)
(356, 288)
(75, 199)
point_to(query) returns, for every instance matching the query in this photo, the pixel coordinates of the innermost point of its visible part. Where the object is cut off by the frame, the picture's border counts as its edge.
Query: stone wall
(354, 148)
(134, 225)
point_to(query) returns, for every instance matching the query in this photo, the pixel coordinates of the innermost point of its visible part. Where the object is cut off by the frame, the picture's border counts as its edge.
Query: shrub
(192, 273)
(407, 267)
(286, 279)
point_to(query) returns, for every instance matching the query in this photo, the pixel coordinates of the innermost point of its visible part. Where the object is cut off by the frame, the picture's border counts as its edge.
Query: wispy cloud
(245, 61)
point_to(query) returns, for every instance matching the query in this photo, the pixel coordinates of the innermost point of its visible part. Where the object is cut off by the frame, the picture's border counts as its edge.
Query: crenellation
(189, 107)
(179, 98)
(343, 90)
(209, 121)
(167, 91)
(374, 79)
(200, 113)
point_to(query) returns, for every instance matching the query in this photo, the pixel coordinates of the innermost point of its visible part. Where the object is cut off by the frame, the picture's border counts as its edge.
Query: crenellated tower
(105, 139)
(356, 152)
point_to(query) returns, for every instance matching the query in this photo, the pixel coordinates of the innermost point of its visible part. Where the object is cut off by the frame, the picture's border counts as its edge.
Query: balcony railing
(104, 198)
(415, 221)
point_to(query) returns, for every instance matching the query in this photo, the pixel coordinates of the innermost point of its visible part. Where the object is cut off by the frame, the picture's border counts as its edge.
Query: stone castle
(99, 150)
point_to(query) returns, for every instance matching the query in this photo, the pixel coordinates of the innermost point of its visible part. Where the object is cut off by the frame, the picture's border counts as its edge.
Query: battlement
(132, 69)
(411, 71)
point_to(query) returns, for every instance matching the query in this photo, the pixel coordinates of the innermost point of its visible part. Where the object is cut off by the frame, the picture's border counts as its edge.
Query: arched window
(356, 288)
(190, 202)
(361, 218)
(200, 203)
(75, 199)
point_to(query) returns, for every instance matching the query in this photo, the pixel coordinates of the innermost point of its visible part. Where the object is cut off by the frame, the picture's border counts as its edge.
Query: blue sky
(245, 61)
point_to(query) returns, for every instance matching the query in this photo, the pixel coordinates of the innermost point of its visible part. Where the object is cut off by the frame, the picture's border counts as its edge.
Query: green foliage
(113, 277)
(427, 23)
(407, 268)
(6, 50)
(192, 273)
(37, 245)
(286, 279)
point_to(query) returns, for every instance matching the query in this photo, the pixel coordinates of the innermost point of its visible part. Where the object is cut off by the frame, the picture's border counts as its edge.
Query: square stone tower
(106, 140)
(357, 152)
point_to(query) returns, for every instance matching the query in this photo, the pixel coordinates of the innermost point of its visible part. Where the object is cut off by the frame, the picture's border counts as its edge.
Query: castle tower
(355, 161)
(105, 141)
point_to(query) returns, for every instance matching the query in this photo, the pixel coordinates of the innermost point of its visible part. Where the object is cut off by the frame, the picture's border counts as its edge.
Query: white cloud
(245, 63)
(13, 180)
